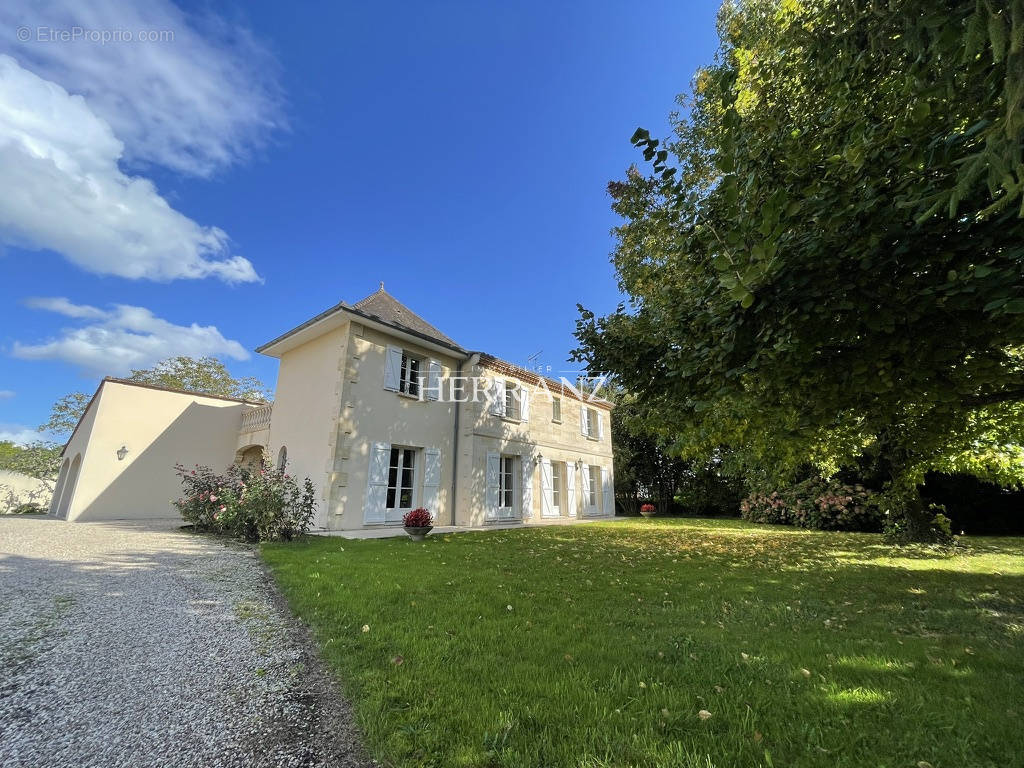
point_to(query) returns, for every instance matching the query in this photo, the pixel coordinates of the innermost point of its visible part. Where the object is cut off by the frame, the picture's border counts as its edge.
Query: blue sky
(271, 160)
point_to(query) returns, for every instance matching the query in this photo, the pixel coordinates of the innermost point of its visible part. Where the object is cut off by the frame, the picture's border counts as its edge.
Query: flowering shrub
(818, 504)
(647, 509)
(418, 518)
(260, 504)
(769, 508)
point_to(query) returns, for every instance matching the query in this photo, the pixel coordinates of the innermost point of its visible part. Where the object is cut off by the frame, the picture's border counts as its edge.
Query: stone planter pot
(649, 514)
(419, 533)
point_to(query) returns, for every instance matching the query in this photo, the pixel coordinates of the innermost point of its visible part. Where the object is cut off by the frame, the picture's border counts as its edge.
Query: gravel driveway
(140, 645)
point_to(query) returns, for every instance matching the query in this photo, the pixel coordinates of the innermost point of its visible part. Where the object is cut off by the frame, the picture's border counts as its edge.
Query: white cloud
(63, 306)
(63, 191)
(197, 99)
(123, 338)
(20, 434)
(6, 394)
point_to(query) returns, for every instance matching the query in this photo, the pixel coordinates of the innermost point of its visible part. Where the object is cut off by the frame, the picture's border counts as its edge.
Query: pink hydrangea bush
(816, 503)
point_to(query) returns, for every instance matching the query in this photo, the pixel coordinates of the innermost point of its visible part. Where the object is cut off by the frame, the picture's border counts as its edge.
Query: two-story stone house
(386, 413)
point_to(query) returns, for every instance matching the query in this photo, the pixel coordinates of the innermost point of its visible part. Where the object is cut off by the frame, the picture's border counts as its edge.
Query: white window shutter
(547, 507)
(377, 485)
(570, 487)
(392, 368)
(586, 487)
(583, 420)
(493, 469)
(433, 380)
(431, 479)
(496, 393)
(600, 424)
(527, 463)
(607, 492)
(524, 403)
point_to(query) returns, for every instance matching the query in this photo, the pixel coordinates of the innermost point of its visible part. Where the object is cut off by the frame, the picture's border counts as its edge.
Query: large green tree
(826, 260)
(205, 374)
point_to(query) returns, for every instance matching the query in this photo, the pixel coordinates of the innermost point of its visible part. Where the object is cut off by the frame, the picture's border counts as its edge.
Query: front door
(401, 484)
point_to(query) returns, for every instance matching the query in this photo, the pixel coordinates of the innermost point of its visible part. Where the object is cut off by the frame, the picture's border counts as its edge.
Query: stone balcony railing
(255, 419)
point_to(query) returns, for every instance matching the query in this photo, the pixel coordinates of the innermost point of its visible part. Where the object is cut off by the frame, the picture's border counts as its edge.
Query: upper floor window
(556, 409)
(412, 374)
(409, 379)
(508, 399)
(590, 417)
(510, 408)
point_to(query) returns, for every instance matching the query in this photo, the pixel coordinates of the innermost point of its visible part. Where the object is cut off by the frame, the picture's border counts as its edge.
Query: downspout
(473, 360)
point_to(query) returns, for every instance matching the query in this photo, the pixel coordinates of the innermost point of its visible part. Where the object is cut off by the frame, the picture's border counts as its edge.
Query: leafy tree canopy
(65, 413)
(827, 257)
(40, 460)
(206, 374)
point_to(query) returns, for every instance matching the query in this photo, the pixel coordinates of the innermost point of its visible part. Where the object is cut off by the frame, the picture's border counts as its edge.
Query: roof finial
(382, 285)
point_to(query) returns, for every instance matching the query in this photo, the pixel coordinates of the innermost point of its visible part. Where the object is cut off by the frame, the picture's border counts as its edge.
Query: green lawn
(600, 645)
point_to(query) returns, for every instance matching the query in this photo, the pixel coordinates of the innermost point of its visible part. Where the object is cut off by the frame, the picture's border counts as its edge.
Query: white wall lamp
(122, 452)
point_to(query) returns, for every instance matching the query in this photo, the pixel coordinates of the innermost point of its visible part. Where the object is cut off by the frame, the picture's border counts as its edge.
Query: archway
(62, 478)
(251, 458)
(68, 494)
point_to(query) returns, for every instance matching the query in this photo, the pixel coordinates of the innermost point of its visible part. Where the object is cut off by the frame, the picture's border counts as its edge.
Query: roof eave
(407, 333)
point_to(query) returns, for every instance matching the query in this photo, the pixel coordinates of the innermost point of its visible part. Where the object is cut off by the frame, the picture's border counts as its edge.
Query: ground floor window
(595, 484)
(506, 482)
(556, 487)
(401, 474)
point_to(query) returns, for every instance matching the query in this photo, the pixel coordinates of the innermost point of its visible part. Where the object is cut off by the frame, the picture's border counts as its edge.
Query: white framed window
(401, 483)
(556, 410)
(409, 377)
(506, 482)
(510, 408)
(590, 423)
(556, 486)
(595, 483)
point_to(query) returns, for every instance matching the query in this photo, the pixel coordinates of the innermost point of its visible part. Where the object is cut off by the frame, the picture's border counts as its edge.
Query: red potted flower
(418, 523)
(647, 510)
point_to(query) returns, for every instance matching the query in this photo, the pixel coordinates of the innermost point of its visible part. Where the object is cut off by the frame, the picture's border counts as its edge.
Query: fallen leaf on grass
(805, 672)
(703, 714)
(366, 627)
(398, 661)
